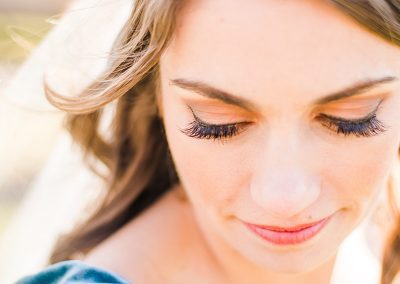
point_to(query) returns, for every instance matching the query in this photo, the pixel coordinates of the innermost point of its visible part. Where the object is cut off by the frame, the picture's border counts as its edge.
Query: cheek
(357, 172)
(357, 168)
(211, 172)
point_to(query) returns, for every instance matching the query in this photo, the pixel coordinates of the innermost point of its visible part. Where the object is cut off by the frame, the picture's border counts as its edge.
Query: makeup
(287, 236)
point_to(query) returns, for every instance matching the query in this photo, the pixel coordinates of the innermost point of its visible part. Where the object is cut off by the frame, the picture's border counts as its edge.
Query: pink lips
(285, 236)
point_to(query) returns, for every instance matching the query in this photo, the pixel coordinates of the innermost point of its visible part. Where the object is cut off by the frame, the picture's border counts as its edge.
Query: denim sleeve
(72, 272)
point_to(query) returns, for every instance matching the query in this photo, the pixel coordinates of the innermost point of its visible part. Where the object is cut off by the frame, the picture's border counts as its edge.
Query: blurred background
(23, 24)
(44, 185)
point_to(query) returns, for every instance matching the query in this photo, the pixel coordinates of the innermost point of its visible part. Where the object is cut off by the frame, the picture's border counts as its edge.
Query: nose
(285, 194)
(284, 185)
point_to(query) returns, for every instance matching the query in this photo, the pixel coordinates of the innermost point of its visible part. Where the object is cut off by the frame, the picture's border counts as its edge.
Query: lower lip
(288, 237)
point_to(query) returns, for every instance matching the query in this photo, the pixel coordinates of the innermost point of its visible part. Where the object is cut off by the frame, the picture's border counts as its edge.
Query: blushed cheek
(359, 173)
(210, 175)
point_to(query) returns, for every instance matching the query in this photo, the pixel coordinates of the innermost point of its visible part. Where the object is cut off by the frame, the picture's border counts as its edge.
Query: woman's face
(283, 74)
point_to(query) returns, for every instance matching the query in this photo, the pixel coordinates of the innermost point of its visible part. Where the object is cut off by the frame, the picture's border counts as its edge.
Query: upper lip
(289, 229)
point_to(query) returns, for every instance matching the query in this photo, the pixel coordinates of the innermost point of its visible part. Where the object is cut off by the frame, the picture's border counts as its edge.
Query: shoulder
(72, 271)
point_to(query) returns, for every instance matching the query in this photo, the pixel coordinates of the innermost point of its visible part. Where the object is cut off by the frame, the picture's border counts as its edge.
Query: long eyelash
(200, 129)
(366, 127)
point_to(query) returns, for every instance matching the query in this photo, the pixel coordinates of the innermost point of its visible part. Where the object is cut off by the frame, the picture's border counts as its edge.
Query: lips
(285, 235)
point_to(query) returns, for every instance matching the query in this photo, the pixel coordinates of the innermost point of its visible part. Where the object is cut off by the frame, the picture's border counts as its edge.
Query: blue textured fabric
(72, 272)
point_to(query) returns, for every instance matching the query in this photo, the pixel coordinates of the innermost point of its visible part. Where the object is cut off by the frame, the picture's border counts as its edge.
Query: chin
(294, 267)
(297, 261)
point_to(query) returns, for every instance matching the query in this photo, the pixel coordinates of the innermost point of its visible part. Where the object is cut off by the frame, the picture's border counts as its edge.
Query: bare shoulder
(144, 247)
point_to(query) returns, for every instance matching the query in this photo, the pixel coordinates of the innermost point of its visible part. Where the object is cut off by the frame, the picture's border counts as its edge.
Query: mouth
(286, 236)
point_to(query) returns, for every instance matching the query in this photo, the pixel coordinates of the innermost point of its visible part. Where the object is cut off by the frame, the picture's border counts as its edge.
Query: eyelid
(199, 120)
(364, 127)
(216, 111)
(358, 120)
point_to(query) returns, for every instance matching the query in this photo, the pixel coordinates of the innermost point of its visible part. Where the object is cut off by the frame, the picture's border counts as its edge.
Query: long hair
(136, 155)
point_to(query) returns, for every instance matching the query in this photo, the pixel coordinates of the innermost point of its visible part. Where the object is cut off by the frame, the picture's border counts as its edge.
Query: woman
(250, 138)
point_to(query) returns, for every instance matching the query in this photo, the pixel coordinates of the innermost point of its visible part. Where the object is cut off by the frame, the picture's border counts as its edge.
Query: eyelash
(202, 130)
(366, 127)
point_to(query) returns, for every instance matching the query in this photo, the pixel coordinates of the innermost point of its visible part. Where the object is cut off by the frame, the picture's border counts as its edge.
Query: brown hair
(137, 158)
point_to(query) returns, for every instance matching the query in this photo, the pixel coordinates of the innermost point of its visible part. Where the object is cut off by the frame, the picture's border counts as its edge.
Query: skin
(286, 167)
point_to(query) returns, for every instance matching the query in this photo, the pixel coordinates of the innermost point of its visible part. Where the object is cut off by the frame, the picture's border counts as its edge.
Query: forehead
(259, 48)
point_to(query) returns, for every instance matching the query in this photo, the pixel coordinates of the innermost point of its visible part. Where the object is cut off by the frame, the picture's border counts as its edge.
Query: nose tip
(284, 196)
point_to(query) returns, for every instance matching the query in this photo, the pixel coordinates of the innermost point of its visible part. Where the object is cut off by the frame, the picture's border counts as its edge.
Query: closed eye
(368, 126)
(203, 130)
(363, 127)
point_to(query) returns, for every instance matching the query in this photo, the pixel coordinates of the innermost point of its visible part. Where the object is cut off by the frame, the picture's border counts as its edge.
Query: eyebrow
(214, 93)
